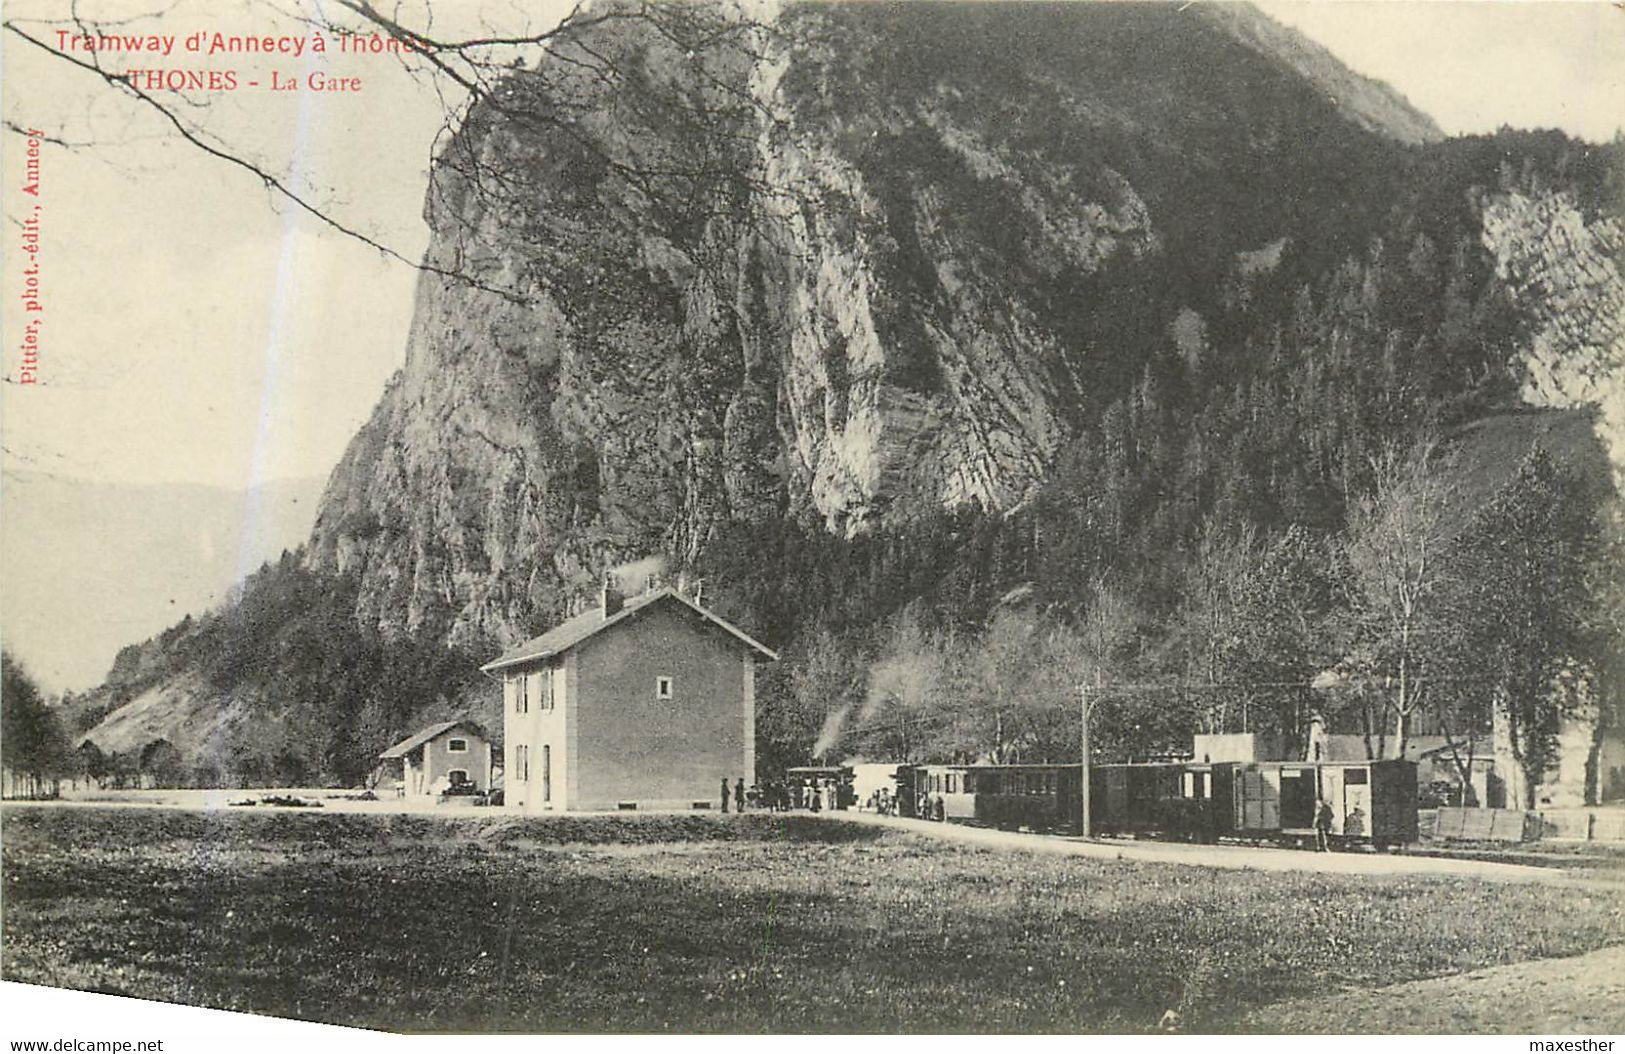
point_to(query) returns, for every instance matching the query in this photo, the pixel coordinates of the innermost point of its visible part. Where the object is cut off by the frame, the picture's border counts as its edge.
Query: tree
(1533, 605)
(33, 746)
(1004, 663)
(1254, 625)
(1459, 699)
(92, 762)
(1017, 688)
(1209, 624)
(902, 711)
(1105, 651)
(806, 700)
(162, 763)
(1395, 539)
(1289, 630)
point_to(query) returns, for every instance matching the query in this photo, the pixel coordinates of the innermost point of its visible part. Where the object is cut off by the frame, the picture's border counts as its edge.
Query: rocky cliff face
(853, 273)
(1564, 265)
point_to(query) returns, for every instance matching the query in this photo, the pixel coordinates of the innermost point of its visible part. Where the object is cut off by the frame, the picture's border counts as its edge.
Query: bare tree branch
(270, 181)
(684, 138)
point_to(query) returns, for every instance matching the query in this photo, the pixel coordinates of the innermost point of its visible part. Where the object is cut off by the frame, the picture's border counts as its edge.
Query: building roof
(417, 739)
(1481, 752)
(1347, 746)
(571, 632)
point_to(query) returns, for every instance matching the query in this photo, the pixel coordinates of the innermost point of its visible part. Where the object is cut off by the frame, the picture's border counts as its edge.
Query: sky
(1475, 65)
(197, 329)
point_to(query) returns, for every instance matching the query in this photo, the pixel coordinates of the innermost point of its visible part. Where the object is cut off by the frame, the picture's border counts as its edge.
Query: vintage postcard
(652, 516)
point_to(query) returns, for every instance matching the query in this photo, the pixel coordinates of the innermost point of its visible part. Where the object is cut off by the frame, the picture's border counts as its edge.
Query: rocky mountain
(906, 300)
(900, 300)
(1566, 266)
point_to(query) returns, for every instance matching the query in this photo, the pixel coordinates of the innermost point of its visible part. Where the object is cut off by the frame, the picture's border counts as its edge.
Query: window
(547, 772)
(662, 687)
(520, 703)
(457, 746)
(521, 763)
(1354, 776)
(545, 691)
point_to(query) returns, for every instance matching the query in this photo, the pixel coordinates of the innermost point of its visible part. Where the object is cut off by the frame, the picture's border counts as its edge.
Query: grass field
(706, 923)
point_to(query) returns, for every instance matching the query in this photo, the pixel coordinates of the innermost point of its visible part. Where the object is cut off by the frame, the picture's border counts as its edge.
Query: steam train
(1371, 802)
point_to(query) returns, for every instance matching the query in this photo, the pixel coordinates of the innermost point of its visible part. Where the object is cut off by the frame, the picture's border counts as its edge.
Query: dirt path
(1583, 995)
(1230, 856)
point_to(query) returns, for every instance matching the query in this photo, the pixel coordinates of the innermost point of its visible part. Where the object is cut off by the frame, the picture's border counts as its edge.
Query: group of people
(1353, 823)
(816, 795)
(783, 795)
(882, 801)
(926, 806)
(738, 794)
(930, 808)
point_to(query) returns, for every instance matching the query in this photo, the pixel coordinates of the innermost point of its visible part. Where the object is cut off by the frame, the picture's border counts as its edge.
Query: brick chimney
(610, 599)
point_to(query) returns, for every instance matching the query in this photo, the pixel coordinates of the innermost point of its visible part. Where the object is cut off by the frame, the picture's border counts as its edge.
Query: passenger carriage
(1370, 801)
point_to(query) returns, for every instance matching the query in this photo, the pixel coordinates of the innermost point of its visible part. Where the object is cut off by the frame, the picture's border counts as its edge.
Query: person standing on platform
(1323, 826)
(739, 795)
(725, 794)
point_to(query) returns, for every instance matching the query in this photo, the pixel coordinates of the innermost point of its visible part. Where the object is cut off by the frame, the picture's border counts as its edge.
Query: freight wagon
(1371, 801)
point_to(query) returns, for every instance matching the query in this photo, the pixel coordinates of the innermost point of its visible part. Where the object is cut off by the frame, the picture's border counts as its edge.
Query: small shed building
(433, 758)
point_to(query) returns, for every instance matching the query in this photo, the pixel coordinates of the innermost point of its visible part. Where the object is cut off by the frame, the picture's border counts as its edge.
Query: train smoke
(830, 734)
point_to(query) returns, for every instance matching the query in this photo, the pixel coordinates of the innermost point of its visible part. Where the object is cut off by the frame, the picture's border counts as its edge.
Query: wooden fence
(1515, 825)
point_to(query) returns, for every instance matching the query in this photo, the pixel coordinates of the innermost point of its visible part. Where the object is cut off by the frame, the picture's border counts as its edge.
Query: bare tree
(905, 689)
(1217, 581)
(1396, 536)
(1003, 664)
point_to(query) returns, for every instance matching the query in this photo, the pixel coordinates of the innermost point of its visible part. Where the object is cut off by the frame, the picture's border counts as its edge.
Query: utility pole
(1084, 826)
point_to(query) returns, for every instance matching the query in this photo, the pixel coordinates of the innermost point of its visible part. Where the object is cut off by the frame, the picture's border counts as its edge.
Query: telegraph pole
(1084, 826)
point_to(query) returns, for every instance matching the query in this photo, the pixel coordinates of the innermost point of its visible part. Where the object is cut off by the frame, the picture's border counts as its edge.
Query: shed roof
(1344, 746)
(422, 736)
(571, 632)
